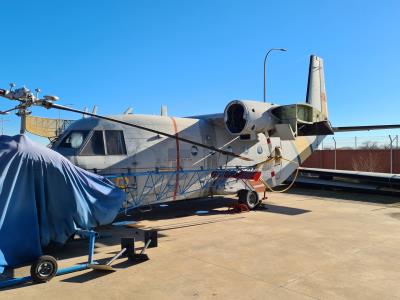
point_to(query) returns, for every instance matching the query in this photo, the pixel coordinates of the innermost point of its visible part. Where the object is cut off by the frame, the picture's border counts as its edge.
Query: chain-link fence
(360, 143)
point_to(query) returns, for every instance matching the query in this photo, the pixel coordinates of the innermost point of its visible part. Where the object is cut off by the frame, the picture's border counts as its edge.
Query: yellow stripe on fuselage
(302, 145)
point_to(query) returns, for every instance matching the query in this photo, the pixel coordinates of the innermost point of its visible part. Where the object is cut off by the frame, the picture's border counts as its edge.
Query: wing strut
(364, 128)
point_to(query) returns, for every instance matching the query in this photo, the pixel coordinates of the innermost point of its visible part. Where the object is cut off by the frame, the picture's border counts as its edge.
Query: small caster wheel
(44, 269)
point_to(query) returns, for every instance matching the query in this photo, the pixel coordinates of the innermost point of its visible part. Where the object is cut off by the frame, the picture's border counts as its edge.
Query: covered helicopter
(251, 147)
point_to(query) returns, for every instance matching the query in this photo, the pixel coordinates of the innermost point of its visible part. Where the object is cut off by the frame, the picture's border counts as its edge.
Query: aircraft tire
(250, 198)
(44, 269)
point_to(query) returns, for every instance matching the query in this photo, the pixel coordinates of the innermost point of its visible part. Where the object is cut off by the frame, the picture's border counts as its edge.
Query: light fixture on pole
(265, 64)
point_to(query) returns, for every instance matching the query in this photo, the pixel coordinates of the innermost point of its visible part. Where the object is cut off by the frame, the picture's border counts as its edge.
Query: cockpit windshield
(74, 139)
(96, 142)
(95, 145)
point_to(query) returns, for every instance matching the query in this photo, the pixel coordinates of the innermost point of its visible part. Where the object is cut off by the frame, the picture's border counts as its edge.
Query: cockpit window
(74, 139)
(115, 142)
(95, 145)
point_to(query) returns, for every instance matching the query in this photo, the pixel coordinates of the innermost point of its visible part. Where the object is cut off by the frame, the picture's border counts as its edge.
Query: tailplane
(316, 93)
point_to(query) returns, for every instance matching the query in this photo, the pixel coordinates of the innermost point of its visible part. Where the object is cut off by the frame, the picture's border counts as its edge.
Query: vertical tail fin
(316, 94)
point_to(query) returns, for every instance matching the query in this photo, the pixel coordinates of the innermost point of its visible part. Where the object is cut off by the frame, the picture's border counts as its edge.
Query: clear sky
(196, 56)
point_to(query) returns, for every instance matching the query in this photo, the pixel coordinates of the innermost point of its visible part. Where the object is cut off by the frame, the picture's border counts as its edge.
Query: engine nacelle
(244, 117)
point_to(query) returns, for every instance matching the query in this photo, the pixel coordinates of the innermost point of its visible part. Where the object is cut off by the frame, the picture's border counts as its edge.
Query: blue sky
(196, 56)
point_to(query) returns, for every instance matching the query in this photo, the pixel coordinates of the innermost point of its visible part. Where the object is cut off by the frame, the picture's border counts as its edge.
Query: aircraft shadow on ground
(110, 235)
(183, 208)
(218, 208)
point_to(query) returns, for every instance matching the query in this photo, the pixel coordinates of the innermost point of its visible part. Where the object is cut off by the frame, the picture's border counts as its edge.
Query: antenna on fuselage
(164, 111)
(85, 109)
(128, 111)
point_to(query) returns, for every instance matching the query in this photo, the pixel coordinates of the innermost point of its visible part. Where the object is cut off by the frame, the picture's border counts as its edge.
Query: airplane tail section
(316, 93)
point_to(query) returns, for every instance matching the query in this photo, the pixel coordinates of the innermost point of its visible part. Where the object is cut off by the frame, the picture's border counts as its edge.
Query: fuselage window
(74, 139)
(115, 142)
(95, 145)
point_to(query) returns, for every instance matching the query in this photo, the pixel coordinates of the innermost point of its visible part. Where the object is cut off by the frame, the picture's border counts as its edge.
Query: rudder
(316, 93)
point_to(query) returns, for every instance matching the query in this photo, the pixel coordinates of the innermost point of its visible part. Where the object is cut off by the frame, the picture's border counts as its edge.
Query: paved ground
(307, 245)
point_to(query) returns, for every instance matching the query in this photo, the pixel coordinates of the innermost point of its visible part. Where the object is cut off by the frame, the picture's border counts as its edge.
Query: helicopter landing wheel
(249, 198)
(44, 269)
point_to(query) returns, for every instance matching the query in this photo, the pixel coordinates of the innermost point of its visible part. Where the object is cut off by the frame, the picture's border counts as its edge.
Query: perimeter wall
(368, 160)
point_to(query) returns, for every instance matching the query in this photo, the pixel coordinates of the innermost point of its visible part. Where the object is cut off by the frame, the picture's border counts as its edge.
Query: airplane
(251, 147)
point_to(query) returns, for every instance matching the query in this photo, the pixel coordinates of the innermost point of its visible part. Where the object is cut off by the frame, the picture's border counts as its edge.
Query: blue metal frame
(161, 184)
(92, 239)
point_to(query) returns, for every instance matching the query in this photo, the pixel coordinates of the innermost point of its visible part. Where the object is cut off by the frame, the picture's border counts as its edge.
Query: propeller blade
(48, 104)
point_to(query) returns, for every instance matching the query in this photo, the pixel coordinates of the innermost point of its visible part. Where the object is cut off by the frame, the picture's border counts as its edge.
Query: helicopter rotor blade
(48, 104)
(4, 112)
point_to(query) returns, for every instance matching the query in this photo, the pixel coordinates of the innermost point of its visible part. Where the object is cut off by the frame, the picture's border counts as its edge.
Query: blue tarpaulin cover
(44, 198)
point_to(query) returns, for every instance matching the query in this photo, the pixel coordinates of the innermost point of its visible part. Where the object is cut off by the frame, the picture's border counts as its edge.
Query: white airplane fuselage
(253, 129)
(146, 151)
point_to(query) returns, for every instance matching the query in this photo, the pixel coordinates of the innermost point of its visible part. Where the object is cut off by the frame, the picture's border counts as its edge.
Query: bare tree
(369, 145)
(365, 163)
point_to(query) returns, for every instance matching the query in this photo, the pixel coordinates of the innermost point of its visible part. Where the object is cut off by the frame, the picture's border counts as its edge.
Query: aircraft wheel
(44, 269)
(250, 198)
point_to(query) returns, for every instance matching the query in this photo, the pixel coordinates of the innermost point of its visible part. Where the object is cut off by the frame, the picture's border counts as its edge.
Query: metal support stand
(149, 238)
(92, 238)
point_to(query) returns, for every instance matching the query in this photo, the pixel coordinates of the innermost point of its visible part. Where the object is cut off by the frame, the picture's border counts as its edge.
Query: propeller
(27, 99)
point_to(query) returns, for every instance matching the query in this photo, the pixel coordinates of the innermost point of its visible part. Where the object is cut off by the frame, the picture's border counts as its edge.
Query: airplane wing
(375, 176)
(215, 119)
(364, 128)
(351, 180)
(218, 119)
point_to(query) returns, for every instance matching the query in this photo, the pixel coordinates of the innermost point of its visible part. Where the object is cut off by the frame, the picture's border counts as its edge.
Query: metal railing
(360, 143)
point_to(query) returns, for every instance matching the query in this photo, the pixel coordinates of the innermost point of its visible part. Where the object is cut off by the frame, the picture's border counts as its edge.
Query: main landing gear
(249, 198)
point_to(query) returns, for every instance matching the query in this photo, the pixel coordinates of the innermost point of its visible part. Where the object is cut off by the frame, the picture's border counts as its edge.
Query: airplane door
(208, 135)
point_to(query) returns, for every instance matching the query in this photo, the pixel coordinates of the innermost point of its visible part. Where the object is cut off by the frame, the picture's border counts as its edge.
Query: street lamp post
(265, 65)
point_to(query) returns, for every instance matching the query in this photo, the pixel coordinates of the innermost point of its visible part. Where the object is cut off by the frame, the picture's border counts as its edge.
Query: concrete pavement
(306, 245)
